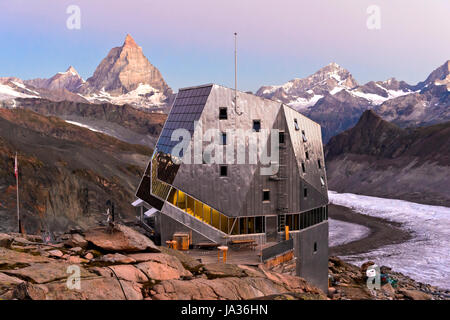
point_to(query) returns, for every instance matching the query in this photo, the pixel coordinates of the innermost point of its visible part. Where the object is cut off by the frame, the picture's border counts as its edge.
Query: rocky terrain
(334, 99)
(12, 88)
(66, 172)
(381, 159)
(118, 263)
(126, 123)
(428, 105)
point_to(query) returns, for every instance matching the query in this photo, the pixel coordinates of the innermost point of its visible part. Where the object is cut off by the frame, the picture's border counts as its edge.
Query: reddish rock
(388, 289)
(129, 273)
(116, 258)
(56, 253)
(122, 239)
(160, 266)
(8, 281)
(76, 260)
(89, 256)
(76, 249)
(222, 288)
(5, 240)
(10, 258)
(46, 272)
(77, 240)
(220, 270)
(415, 294)
(91, 289)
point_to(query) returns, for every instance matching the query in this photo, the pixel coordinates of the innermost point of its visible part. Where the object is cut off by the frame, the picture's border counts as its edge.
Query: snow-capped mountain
(126, 76)
(11, 88)
(332, 79)
(377, 92)
(333, 98)
(303, 93)
(439, 77)
(69, 80)
(429, 104)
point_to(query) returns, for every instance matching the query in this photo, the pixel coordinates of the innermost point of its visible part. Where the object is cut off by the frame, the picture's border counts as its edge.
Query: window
(305, 192)
(259, 225)
(256, 125)
(215, 219)
(266, 195)
(307, 155)
(304, 136)
(319, 163)
(250, 225)
(303, 167)
(223, 138)
(296, 125)
(243, 225)
(223, 171)
(223, 115)
(322, 181)
(315, 247)
(281, 137)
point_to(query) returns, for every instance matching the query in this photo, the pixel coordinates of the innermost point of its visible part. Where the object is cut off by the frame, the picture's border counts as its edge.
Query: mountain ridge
(124, 76)
(337, 105)
(381, 159)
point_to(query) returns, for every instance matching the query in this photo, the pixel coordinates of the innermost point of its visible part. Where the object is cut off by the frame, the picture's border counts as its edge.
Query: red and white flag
(16, 167)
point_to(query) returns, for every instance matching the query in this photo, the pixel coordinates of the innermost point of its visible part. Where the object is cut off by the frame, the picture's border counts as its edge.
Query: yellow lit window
(207, 213)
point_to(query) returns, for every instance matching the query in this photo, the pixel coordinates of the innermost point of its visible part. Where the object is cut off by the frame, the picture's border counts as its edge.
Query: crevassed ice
(426, 257)
(341, 232)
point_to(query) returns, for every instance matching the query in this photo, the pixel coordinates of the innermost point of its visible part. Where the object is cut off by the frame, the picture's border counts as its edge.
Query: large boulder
(5, 240)
(76, 240)
(122, 239)
(222, 270)
(115, 258)
(415, 294)
(10, 259)
(8, 281)
(191, 264)
(221, 288)
(290, 282)
(91, 289)
(129, 273)
(159, 266)
(46, 272)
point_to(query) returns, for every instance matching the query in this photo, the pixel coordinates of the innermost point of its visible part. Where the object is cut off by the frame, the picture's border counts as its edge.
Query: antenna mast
(235, 75)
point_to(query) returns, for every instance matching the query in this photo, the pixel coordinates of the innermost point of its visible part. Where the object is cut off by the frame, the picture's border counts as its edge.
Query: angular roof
(235, 194)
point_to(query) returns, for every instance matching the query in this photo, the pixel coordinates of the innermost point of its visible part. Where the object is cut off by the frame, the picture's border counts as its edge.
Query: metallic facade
(299, 186)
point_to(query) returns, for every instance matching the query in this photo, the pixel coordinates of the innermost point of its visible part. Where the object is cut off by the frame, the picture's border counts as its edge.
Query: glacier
(426, 256)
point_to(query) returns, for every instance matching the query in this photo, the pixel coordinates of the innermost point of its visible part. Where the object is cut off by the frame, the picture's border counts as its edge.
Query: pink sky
(278, 40)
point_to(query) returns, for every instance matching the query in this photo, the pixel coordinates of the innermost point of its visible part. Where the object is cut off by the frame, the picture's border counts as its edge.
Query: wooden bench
(245, 243)
(206, 245)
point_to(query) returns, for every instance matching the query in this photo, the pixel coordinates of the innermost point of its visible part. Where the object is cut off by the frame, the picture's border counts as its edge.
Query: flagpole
(17, 184)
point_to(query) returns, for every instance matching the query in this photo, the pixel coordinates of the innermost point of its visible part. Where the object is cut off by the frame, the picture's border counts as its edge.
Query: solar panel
(186, 109)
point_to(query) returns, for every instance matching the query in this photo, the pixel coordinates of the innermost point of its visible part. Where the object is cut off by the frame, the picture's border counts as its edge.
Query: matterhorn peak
(125, 69)
(129, 41)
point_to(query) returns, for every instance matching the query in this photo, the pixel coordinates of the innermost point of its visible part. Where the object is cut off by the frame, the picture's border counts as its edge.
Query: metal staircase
(202, 228)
